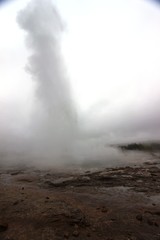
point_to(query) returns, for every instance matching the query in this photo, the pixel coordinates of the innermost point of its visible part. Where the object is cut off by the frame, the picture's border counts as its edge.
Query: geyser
(53, 122)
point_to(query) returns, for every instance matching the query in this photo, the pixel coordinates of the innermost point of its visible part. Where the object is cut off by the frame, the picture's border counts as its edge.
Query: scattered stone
(75, 233)
(76, 226)
(66, 235)
(104, 209)
(150, 222)
(132, 238)
(156, 224)
(3, 227)
(76, 217)
(28, 180)
(139, 217)
(85, 178)
(16, 202)
(22, 188)
(148, 163)
(139, 181)
(61, 182)
(47, 197)
(157, 213)
(15, 173)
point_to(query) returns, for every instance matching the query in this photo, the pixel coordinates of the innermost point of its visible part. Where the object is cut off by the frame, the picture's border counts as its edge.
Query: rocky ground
(112, 204)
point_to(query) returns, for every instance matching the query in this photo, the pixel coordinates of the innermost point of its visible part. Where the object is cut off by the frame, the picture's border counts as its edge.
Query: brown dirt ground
(112, 204)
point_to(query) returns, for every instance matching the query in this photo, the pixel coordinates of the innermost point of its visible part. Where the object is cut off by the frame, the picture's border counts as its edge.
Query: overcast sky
(112, 54)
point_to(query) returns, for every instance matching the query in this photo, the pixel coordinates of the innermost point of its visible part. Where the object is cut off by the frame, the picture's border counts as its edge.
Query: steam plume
(53, 122)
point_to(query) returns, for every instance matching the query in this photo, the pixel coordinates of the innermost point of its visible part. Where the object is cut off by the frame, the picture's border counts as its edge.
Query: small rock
(157, 213)
(16, 202)
(86, 178)
(15, 173)
(88, 235)
(139, 181)
(150, 222)
(76, 226)
(3, 227)
(76, 216)
(22, 188)
(75, 233)
(66, 235)
(47, 197)
(104, 209)
(156, 224)
(139, 217)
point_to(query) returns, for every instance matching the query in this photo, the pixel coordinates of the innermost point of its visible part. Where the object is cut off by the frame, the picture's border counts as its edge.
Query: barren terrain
(120, 203)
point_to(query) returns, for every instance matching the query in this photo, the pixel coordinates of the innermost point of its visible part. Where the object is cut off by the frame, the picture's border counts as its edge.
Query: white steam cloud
(55, 135)
(53, 122)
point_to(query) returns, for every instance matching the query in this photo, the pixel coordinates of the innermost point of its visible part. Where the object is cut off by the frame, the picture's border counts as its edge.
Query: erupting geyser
(53, 122)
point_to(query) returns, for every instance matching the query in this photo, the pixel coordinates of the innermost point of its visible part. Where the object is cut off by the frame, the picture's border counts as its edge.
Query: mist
(54, 132)
(53, 120)
(53, 129)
